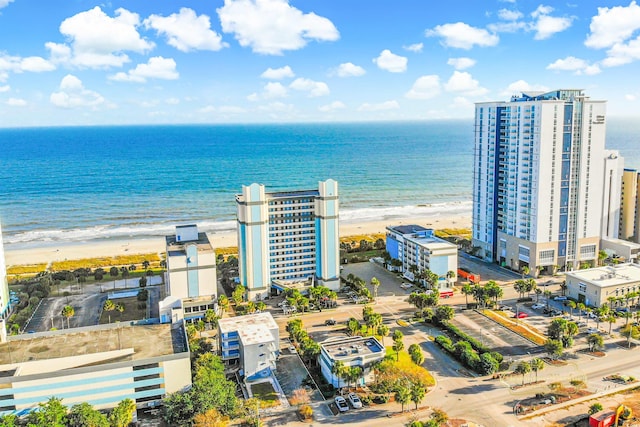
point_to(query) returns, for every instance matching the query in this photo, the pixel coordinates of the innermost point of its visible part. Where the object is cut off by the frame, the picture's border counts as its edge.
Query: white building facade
(604, 285)
(539, 180)
(288, 236)
(191, 284)
(362, 352)
(418, 247)
(630, 206)
(251, 342)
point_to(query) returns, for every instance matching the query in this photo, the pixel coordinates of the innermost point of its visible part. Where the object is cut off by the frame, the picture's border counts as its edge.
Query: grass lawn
(131, 311)
(267, 395)
(405, 364)
(529, 332)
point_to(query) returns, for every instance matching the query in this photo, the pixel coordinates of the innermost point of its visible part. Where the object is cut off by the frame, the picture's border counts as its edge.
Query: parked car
(292, 349)
(537, 306)
(329, 322)
(504, 308)
(560, 298)
(593, 331)
(355, 400)
(521, 315)
(341, 403)
(406, 285)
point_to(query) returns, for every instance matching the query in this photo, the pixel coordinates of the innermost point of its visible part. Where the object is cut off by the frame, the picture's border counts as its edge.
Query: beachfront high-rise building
(191, 276)
(630, 206)
(288, 236)
(541, 185)
(5, 304)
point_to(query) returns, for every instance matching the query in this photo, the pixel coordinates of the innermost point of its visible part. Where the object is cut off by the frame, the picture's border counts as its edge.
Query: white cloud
(5, 88)
(99, 41)
(519, 86)
(272, 26)
(508, 26)
(630, 97)
(461, 63)
(58, 52)
(391, 62)
(279, 107)
(73, 94)
(270, 90)
(577, 65)
(36, 64)
(424, 87)
(622, 53)
(16, 102)
(4, 3)
(334, 106)
(416, 47)
(613, 25)
(463, 82)
(314, 88)
(463, 36)
(278, 73)
(223, 109)
(172, 101)
(383, 106)
(460, 102)
(545, 26)
(509, 15)
(157, 68)
(350, 70)
(186, 31)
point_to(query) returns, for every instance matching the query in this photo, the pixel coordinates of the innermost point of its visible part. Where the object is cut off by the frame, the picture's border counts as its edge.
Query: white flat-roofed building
(625, 250)
(352, 351)
(191, 283)
(595, 286)
(544, 187)
(252, 341)
(5, 303)
(417, 246)
(100, 365)
(288, 236)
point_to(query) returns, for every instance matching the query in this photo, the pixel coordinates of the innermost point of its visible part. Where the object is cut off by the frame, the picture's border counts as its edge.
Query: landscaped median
(528, 332)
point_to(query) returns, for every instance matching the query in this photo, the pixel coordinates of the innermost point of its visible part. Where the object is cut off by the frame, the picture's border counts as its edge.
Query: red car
(521, 315)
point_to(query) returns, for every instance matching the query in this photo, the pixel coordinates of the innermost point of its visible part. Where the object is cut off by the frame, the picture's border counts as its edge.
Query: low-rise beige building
(595, 286)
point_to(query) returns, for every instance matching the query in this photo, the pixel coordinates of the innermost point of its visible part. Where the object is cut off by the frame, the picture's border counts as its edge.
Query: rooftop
(407, 229)
(255, 334)
(621, 274)
(175, 248)
(233, 324)
(284, 194)
(352, 347)
(146, 340)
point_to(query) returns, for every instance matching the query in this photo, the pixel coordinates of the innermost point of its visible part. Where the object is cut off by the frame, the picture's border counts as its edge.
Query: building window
(587, 251)
(547, 256)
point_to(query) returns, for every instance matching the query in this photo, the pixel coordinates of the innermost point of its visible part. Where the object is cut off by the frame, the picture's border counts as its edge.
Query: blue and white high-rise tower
(288, 236)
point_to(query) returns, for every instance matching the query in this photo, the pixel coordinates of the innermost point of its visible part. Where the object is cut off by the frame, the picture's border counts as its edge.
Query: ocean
(74, 184)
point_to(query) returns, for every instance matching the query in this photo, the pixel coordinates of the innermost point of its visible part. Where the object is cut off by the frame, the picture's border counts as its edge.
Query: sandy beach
(79, 250)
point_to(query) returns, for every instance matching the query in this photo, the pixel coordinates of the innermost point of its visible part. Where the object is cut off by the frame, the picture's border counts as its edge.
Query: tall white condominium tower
(288, 237)
(544, 185)
(5, 305)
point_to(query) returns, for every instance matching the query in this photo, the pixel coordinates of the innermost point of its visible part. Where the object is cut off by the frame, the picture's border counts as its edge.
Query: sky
(121, 62)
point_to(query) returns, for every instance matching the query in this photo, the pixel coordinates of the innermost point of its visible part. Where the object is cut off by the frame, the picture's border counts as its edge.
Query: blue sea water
(88, 183)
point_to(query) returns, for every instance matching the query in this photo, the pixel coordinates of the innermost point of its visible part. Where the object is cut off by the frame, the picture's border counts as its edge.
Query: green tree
(142, 281)
(84, 415)
(595, 342)
(554, 348)
(630, 331)
(52, 413)
(338, 369)
(353, 326)
(125, 275)
(120, 309)
(595, 408)
(523, 368)
(376, 284)
(145, 264)
(238, 294)
(383, 331)
(223, 304)
(467, 290)
(211, 418)
(488, 364)
(602, 255)
(9, 421)
(398, 345)
(68, 312)
(402, 395)
(418, 391)
(210, 317)
(416, 354)
(611, 319)
(444, 313)
(536, 365)
(179, 409)
(122, 415)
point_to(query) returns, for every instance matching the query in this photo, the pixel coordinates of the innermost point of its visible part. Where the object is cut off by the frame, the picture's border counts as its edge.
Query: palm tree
(450, 275)
(223, 304)
(383, 331)
(602, 255)
(467, 290)
(563, 287)
(109, 306)
(375, 283)
(338, 369)
(68, 312)
(547, 295)
(581, 308)
(571, 305)
(525, 271)
(523, 368)
(125, 274)
(403, 395)
(611, 319)
(595, 342)
(536, 365)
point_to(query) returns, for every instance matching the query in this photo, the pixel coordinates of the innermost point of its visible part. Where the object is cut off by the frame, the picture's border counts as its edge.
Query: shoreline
(61, 251)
